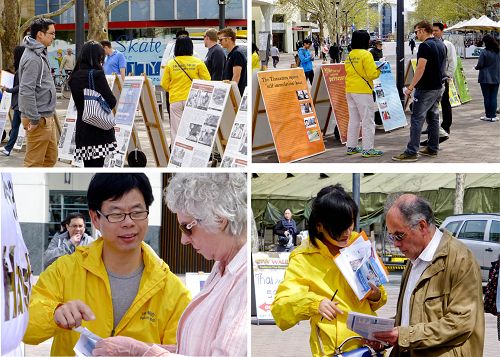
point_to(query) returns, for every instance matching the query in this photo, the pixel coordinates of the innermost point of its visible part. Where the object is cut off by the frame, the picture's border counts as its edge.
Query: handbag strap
(91, 79)
(350, 61)
(183, 70)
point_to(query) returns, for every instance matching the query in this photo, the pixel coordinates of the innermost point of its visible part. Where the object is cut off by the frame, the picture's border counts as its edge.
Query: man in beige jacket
(440, 303)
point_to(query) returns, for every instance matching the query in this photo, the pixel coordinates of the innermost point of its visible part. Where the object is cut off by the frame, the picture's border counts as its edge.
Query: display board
(205, 107)
(228, 117)
(268, 272)
(291, 114)
(453, 93)
(6, 80)
(461, 82)
(262, 138)
(334, 78)
(321, 101)
(236, 151)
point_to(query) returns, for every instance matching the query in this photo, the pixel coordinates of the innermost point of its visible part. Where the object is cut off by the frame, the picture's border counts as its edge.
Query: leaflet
(86, 344)
(366, 325)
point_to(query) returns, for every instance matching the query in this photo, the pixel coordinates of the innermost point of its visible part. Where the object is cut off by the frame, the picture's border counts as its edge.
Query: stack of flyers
(86, 344)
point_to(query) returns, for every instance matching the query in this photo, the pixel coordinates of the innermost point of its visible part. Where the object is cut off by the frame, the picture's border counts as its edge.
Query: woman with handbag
(177, 78)
(314, 288)
(360, 71)
(93, 143)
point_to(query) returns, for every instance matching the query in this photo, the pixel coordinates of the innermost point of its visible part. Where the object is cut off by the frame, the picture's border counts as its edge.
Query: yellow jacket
(176, 82)
(312, 276)
(255, 61)
(363, 61)
(152, 317)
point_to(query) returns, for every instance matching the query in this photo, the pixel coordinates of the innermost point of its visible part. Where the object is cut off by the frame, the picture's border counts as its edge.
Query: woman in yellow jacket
(312, 277)
(177, 78)
(360, 71)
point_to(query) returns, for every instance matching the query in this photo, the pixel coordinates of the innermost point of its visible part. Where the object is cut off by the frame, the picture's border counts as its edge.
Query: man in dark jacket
(37, 96)
(215, 59)
(334, 53)
(286, 230)
(376, 51)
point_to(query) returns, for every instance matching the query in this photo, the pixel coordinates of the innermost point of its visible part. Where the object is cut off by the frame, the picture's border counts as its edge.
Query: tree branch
(63, 9)
(114, 4)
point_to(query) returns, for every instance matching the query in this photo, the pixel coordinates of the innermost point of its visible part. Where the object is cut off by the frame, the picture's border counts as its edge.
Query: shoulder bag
(350, 61)
(183, 70)
(96, 111)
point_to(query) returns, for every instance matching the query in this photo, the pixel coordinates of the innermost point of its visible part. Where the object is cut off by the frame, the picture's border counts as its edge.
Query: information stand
(235, 154)
(207, 104)
(321, 100)
(291, 114)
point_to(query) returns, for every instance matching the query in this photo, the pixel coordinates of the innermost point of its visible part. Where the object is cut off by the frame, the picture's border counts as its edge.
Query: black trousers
(446, 108)
(310, 76)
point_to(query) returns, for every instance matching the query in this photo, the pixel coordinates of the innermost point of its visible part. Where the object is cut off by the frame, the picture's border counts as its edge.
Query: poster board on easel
(228, 118)
(411, 67)
(6, 80)
(236, 151)
(207, 103)
(321, 100)
(262, 138)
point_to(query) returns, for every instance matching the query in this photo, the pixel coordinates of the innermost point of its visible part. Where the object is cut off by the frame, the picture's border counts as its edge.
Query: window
(209, 9)
(495, 231)
(120, 13)
(234, 10)
(139, 10)
(452, 227)
(278, 18)
(41, 7)
(164, 9)
(473, 230)
(62, 203)
(186, 9)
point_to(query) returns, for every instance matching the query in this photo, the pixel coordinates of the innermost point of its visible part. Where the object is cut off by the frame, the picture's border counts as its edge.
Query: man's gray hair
(210, 197)
(413, 208)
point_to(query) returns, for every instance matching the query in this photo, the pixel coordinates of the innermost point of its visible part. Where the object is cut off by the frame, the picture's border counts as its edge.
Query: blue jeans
(425, 108)
(490, 94)
(16, 121)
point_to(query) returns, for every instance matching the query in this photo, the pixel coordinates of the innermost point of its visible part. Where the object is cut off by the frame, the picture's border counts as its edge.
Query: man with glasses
(66, 242)
(440, 303)
(118, 285)
(235, 69)
(215, 59)
(427, 85)
(37, 96)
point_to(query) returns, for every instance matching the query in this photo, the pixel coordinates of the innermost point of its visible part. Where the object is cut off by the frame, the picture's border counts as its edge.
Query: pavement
(471, 139)
(269, 340)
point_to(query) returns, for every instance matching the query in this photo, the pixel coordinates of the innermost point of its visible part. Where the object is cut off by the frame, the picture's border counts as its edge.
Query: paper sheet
(366, 325)
(86, 344)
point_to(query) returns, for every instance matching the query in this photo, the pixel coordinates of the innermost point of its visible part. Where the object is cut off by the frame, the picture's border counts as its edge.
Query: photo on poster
(309, 122)
(238, 130)
(218, 97)
(302, 94)
(177, 156)
(198, 99)
(306, 108)
(63, 137)
(206, 136)
(244, 104)
(194, 131)
(242, 149)
(313, 135)
(382, 104)
(211, 120)
(380, 93)
(386, 115)
(227, 161)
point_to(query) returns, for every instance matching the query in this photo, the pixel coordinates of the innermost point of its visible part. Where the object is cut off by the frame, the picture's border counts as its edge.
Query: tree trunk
(459, 194)
(98, 20)
(10, 22)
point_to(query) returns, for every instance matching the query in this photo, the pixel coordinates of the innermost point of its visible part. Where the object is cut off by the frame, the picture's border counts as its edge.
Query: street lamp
(346, 24)
(337, 3)
(222, 14)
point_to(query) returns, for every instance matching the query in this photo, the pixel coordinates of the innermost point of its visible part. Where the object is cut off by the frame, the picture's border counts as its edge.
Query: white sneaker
(494, 119)
(5, 152)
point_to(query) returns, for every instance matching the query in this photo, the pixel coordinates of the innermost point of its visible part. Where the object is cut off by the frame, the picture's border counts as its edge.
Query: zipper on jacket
(112, 333)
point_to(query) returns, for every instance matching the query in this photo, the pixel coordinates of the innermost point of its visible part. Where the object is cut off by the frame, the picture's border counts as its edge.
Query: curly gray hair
(210, 197)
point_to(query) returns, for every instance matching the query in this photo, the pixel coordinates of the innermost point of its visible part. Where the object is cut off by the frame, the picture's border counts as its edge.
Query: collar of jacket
(437, 263)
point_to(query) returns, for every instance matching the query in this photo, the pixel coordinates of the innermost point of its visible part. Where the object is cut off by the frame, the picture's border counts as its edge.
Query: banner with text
(334, 76)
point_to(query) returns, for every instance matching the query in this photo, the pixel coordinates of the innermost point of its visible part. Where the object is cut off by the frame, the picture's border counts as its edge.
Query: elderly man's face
(412, 243)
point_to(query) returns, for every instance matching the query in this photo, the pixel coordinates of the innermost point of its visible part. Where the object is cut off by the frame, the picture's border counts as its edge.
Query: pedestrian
(255, 57)
(324, 51)
(314, 288)
(114, 286)
(412, 44)
(286, 230)
(215, 59)
(428, 85)
(275, 54)
(68, 62)
(37, 96)
(440, 303)
(489, 76)
(316, 47)
(449, 73)
(115, 61)
(16, 118)
(93, 144)
(66, 243)
(177, 78)
(360, 72)
(334, 53)
(235, 69)
(212, 212)
(306, 59)
(377, 51)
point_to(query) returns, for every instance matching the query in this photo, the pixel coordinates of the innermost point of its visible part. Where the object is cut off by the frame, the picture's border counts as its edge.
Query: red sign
(297, 28)
(265, 307)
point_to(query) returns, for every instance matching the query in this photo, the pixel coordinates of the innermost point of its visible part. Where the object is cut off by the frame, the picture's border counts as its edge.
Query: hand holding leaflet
(366, 325)
(85, 345)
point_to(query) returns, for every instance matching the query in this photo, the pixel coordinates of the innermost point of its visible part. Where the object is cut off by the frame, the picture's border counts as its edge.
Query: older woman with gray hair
(211, 210)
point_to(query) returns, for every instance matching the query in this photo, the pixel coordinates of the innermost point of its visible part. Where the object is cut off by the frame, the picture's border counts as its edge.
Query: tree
(449, 10)
(458, 207)
(10, 16)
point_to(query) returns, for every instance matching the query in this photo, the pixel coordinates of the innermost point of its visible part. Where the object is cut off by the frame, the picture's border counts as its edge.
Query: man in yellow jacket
(115, 286)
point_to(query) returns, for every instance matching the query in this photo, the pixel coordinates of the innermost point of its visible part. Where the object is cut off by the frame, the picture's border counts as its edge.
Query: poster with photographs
(125, 115)
(199, 124)
(16, 277)
(6, 80)
(388, 101)
(66, 146)
(235, 154)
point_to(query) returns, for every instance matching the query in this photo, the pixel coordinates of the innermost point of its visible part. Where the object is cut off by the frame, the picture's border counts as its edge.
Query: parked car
(481, 233)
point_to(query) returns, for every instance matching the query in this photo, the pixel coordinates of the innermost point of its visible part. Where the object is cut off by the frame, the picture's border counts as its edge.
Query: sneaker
(5, 152)
(372, 153)
(485, 118)
(428, 152)
(352, 151)
(441, 140)
(494, 119)
(405, 157)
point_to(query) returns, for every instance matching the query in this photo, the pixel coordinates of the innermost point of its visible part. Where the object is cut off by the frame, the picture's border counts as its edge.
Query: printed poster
(334, 76)
(67, 146)
(461, 82)
(199, 124)
(453, 93)
(268, 272)
(16, 277)
(291, 114)
(388, 101)
(6, 80)
(235, 154)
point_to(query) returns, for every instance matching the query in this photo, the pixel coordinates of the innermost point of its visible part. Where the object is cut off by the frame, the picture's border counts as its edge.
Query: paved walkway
(471, 139)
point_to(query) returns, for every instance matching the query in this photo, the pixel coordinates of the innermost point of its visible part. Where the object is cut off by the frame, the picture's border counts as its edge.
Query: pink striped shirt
(215, 323)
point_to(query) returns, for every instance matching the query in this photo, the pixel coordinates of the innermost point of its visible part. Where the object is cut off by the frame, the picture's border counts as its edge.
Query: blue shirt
(305, 59)
(113, 63)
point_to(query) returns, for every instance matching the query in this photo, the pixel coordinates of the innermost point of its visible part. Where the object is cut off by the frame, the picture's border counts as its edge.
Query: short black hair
(181, 33)
(334, 209)
(360, 40)
(306, 40)
(105, 186)
(91, 56)
(40, 24)
(106, 43)
(183, 47)
(18, 53)
(254, 47)
(71, 216)
(490, 44)
(438, 24)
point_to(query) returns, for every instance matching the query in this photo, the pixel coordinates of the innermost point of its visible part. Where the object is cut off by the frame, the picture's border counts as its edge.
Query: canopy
(484, 23)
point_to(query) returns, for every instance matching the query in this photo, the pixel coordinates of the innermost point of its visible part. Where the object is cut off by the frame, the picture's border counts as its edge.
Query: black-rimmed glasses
(120, 217)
